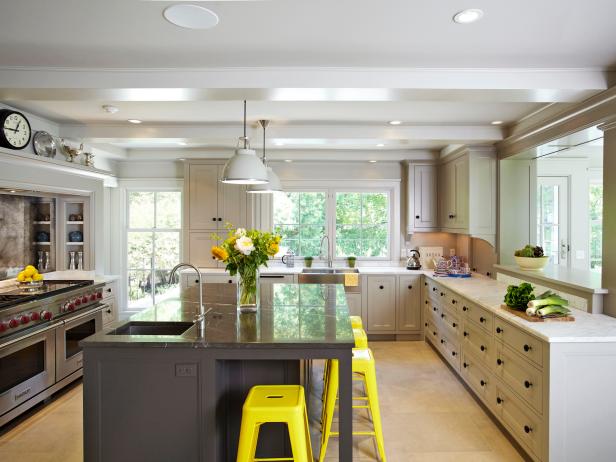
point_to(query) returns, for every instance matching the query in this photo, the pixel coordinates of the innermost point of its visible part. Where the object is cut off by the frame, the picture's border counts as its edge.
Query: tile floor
(427, 416)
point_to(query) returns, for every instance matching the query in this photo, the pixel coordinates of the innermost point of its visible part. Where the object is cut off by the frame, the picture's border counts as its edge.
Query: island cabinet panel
(158, 387)
(381, 303)
(409, 308)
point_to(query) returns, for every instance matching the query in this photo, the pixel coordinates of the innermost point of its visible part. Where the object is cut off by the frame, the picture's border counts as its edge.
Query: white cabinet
(200, 254)
(409, 310)
(422, 204)
(381, 304)
(467, 188)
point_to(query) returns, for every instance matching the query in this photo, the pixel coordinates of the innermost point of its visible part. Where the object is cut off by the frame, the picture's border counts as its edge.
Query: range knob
(13, 323)
(24, 319)
(71, 306)
(77, 302)
(34, 316)
(99, 295)
(4, 326)
(92, 297)
(46, 315)
(84, 299)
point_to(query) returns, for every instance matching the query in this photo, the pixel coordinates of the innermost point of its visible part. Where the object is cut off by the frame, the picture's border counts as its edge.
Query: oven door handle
(31, 334)
(96, 309)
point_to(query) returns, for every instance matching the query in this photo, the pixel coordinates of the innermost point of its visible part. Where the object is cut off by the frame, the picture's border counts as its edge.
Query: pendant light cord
(245, 145)
(264, 158)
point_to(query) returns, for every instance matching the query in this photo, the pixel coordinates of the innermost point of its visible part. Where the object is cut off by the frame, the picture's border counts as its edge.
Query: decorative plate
(44, 144)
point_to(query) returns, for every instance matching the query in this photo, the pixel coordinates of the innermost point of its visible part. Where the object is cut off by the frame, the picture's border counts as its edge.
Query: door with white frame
(153, 245)
(553, 218)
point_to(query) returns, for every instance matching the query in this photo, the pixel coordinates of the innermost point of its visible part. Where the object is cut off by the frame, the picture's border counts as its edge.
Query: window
(595, 210)
(358, 222)
(552, 224)
(153, 245)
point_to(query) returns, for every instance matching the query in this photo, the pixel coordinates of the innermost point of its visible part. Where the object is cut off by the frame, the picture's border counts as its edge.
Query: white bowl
(528, 263)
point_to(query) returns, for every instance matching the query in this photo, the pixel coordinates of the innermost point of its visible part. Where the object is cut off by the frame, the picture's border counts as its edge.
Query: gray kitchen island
(154, 390)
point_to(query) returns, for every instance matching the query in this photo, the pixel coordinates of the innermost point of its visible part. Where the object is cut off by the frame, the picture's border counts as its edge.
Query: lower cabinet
(354, 304)
(110, 312)
(409, 312)
(200, 245)
(393, 304)
(381, 304)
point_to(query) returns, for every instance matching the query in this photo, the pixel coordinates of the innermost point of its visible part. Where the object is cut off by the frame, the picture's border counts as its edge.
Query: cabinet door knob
(442, 340)
(527, 384)
(464, 308)
(482, 348)
(499, 400)
(527, 348)
(410, 287)
(442, 315)
(465, 365)
(381, 287)
(453, 302)
(442, 294)
(425, 302)
(499, 362)
(433, 333)
(230, 281)
(220, 219)
(499, 330)
(196, 281)
(527, 429)
(482, 319)
(465, 334)
(426, 324)
(213, 218)
(425, 283)
(433, 289)
(108, 311)
(417, 217)
(483, 383)
(454, 324)
(434, 308)
(453, 353)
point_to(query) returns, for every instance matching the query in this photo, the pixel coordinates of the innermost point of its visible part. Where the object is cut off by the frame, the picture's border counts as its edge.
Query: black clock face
(15, 133)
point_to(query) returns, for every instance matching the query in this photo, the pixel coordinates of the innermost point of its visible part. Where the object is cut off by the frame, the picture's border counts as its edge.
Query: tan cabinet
(409, 310)
(454, 205)
(381, 303)
(200, 254)
(422, 212)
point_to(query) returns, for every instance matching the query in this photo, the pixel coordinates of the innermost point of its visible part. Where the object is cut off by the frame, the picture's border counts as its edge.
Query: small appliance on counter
(289, 259)
(413, 262)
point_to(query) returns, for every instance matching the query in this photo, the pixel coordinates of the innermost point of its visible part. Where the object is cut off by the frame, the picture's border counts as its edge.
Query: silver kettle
(413, 262)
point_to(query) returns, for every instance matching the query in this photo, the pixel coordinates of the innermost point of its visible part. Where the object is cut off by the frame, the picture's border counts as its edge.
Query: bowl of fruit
(531, 258)
(30, 279)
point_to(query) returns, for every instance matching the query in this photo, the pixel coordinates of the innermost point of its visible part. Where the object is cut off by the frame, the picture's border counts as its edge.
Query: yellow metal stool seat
(361, 339)
(356, 322)
(275, 403)
(364, 365)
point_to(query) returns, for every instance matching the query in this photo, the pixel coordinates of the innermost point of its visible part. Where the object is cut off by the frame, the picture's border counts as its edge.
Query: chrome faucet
(199, 318)
(329, 254)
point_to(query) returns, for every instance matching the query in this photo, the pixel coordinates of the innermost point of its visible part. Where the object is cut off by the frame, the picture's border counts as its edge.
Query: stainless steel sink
(152, 328)
(328, 276)
(329, 270)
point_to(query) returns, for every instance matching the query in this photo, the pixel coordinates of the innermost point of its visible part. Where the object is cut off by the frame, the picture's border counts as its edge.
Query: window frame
(331, 187)
(595, 179)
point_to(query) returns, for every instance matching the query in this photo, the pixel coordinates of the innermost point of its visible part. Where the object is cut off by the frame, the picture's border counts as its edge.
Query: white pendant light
(244, 167)
(273, 184)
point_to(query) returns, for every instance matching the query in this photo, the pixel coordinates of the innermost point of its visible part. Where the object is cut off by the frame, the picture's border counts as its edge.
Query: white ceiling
(397, 33)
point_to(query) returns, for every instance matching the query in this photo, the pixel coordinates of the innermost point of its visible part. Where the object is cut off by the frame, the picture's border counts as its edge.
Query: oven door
(69, 357)
(26, 367)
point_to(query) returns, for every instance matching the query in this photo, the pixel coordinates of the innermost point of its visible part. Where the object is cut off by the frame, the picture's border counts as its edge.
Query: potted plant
(351, 261)
(531, 258)
(308, 262)
(243, 252)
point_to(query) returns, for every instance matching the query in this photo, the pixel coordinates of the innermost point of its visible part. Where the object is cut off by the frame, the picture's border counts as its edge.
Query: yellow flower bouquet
(243, 252)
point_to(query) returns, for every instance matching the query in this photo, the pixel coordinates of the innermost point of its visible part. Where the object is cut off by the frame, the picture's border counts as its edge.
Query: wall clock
(15, 129)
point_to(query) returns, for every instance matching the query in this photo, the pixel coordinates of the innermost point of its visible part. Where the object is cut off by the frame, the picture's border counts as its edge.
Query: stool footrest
(275, 459)
(354, 433)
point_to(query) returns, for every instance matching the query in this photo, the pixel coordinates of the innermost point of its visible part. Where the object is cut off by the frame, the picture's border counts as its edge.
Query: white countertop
(585, 281)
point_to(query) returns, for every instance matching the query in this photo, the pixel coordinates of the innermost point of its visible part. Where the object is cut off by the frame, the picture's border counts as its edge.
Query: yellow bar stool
(363, 364)
(275, 403)
(356, 322)
(361, 339)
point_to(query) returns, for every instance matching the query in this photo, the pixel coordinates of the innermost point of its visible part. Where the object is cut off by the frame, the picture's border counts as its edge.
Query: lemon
(28, 279)
(37, 277)
(30, 271)
(21, 276)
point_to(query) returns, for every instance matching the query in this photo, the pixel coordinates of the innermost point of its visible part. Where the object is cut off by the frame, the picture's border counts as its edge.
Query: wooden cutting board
(523, 315)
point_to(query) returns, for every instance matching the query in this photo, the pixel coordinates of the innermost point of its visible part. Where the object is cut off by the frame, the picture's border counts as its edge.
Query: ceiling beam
(302, 84)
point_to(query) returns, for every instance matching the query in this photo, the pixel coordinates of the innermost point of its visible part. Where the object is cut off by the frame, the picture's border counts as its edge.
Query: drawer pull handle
(465, 365)
(426, 302)
(213, 218)
(434, 308)
(454, 325)
(108, 311)
(482, 319)
(499, 362)
(381, 287)
(433, 289)
(483, 383)
(453, 302)
(416, 217)
(442, 340)
(425, 283)
(482, 348)
(528, 384)
(442, 294)
(464, 308)
(465, 334)
(453, 353)
(499, 330)
(433, 333)
(410, 287)
(196, 281)
(442, 315)
(527, 429)
(426, 324)
(499, 400)
(230, 281)
(527, 348)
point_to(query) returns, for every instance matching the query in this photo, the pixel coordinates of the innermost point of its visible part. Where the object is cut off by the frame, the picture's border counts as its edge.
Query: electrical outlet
(452, 252)
(185, 370)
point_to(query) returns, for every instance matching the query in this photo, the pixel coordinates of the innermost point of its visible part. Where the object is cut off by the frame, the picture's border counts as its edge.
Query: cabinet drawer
(524, 425)
(483, 318)
(109, 290)
(454, 301)
(450, 322)
(434, 290)
(109, 312)
(432, 333)
(519, 341)
(479, 343)
(450, 350)
(477, 377)
(434, 311)
(278, 278)
(521, 376)
(216, 279)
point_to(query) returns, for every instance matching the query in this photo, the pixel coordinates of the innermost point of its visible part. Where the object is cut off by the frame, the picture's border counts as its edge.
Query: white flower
(239, 232)
(244, 244)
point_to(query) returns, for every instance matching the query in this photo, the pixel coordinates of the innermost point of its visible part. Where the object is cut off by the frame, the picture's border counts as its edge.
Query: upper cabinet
(208, 206)
(457, 195)
(422, 199)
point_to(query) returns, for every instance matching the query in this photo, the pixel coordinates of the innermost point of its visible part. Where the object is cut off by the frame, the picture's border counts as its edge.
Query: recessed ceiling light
(190, 16)
(395, 122)
(372, 161)
(110, 109)
(134, 121)
(288, 161)
(468, 16)
(380, 145)
(497, 122)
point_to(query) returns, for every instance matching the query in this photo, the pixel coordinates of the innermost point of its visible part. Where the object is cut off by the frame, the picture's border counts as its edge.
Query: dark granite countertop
(290, 315)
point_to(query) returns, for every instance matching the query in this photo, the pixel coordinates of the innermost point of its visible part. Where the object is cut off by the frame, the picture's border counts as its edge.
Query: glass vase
(248, 290)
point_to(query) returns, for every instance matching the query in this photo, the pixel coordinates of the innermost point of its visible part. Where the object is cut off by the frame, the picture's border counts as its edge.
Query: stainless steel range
(39, 340)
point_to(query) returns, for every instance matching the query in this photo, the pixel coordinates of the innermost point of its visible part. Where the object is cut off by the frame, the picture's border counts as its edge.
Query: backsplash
(16, 217)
